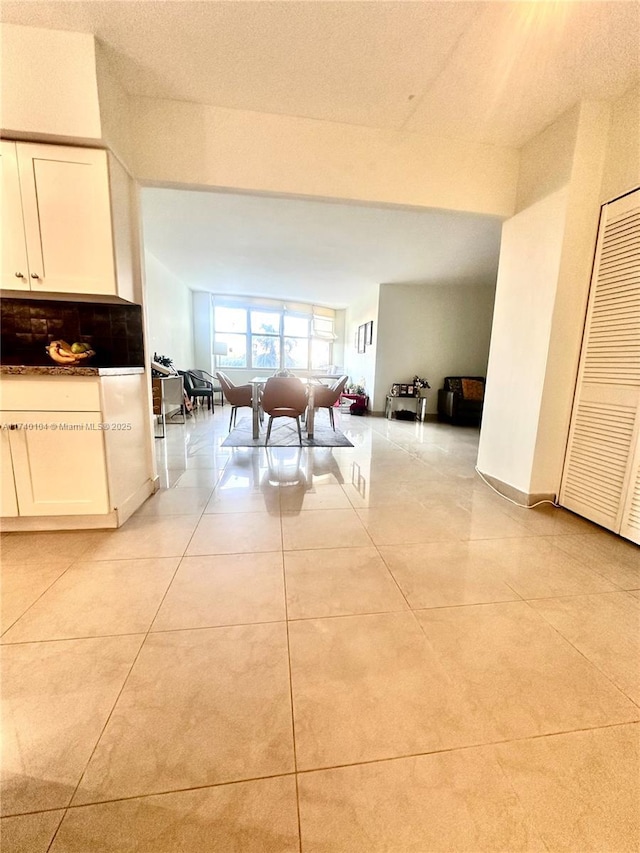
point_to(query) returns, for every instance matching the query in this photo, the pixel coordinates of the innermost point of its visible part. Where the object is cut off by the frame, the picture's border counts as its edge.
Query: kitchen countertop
(60, 370)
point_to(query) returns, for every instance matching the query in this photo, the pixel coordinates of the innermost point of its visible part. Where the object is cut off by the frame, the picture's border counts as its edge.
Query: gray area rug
(284, 433)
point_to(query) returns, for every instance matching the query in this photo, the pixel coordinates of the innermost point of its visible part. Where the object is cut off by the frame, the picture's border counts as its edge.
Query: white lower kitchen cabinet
(8, 497)
(75, 451)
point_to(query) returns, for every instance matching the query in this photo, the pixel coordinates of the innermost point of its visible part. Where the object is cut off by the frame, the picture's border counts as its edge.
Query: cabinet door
(67, 216)
(15, 270)
(8, 501)
(59, 463)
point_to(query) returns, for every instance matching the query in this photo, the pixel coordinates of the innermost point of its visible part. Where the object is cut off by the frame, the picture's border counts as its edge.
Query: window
(265, 339)
(231, 329)
(320, 354)
(261, 337)
(296, 342)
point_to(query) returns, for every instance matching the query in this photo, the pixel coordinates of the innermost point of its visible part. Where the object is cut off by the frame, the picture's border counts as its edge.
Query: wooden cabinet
(58, 463)
(74, 447)
(56, 219)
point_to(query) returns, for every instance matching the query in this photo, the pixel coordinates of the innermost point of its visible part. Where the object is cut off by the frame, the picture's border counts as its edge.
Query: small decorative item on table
(421, 385)
(162, 365)
(69, 355)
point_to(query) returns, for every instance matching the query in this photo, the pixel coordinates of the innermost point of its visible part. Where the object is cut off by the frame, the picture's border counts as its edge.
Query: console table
(168, 398)
(420, 412)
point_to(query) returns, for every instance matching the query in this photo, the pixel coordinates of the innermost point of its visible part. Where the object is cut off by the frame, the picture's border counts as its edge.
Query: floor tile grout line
(386, 612)
(53, 837)
(124, 683)
(465, 747)
(168, 792)
(293, 717)
(323, 768)
(338, 616)
(395, 580)
(7, 645)
(74, 565)
(524, 601)
(584, 656)
(53, 582)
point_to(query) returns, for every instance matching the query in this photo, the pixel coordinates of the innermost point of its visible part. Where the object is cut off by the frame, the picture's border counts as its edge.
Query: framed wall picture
(403, 390)
(411, 391)
(361, 338)
(368, 335)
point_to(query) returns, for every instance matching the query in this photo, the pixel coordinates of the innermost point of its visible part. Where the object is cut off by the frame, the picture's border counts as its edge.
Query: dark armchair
(197, 388)
(205, 376)
(461, 400)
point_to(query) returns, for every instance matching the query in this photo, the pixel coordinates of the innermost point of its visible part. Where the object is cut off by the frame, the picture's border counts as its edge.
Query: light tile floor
(337, 649)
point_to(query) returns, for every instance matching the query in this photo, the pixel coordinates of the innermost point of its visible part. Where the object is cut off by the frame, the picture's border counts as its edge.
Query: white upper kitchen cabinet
(64, 229)
(15, 268)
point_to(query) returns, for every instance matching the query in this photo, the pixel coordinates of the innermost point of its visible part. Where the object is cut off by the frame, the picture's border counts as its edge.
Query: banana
(59, 355)
(63, 345)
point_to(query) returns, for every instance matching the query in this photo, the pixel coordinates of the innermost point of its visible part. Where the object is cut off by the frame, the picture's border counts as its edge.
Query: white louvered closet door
(601, 479)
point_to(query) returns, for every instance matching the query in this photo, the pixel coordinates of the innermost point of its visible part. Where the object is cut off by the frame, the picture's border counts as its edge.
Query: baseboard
(108, 521)
(525, 498)
(32, 524)
(136, 500)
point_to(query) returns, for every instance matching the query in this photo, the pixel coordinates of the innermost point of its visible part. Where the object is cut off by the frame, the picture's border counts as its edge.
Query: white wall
(543, 285)
(115, 110)
(622, 166)
(339, 345)
(525, 294)
(432, 331)
(547, 159)
(169, 314)
(49, 88)
(361, 367)
(572, 293)
(195, 144)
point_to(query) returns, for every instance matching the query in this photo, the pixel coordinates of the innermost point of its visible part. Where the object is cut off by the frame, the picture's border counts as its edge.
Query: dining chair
(283, 397)
(239, 396)
(326, 396)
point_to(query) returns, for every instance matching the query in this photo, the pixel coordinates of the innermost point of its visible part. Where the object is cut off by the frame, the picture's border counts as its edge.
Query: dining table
(258, 382)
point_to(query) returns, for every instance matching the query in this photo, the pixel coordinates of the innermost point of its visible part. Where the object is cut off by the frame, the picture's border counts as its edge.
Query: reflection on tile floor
(327, 649)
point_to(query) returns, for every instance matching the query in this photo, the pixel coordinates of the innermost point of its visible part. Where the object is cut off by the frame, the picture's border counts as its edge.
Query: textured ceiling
(312, 251)
(496, 72)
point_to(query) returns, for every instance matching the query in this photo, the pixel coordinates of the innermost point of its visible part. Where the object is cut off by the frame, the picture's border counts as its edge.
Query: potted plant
(421, 385)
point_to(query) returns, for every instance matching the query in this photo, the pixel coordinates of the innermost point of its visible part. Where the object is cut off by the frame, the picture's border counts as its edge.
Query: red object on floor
(359, 405)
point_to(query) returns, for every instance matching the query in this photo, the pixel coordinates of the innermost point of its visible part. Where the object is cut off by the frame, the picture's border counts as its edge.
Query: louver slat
(615, 306)
(595, 488)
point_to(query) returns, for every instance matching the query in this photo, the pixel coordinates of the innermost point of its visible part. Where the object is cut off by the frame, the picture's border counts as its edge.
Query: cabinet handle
(19, 275)
(34, 275)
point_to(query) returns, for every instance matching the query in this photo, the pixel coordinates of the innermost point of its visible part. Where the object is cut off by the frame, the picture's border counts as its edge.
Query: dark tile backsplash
(113, 331)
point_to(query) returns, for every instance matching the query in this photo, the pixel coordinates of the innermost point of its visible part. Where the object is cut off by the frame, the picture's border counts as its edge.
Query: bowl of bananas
(69, 354)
